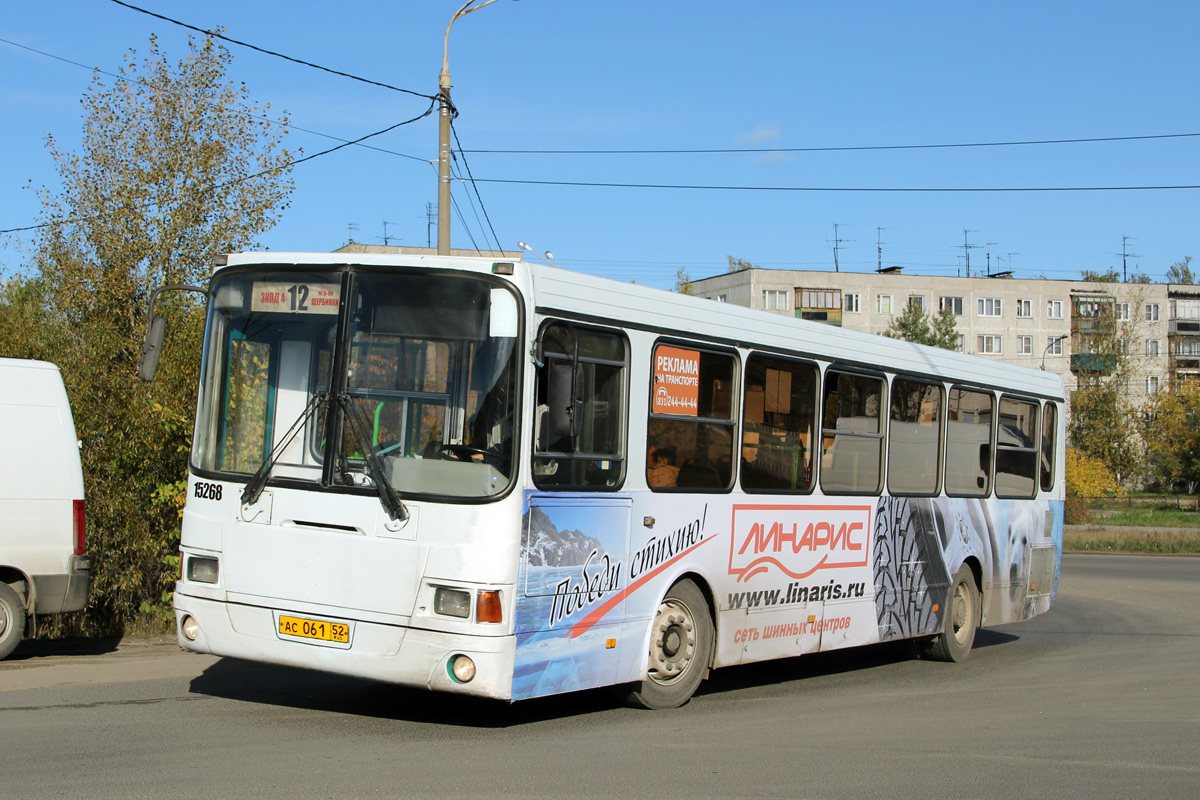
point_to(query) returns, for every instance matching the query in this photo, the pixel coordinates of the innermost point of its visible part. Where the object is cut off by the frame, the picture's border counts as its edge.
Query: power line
(848, 148)
(218, 186)
(867, 189)
(245, 114)
(264, 51)
(474, 186)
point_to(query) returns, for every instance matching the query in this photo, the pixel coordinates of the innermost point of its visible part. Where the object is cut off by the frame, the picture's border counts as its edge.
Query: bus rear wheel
(12, 620)
(960, 621)
(680, 650)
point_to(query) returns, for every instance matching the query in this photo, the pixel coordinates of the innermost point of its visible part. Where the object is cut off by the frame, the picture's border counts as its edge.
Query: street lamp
(443, 246)
(1050, 344)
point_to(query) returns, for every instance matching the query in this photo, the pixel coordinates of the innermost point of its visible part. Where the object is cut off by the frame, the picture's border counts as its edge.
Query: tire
(959, 623)
(12, 620)
(681, 644)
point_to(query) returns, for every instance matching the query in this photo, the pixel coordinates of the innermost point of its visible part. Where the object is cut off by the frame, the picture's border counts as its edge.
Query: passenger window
(1016, 449)
(1049, 428)
(914, 437)
(691, 426)
(852, 434)
(579, 411)
(777, 424)
(969, 443)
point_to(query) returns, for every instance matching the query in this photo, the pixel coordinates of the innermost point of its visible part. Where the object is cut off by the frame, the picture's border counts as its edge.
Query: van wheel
(959, 623)
(12, 620)
(680, 650)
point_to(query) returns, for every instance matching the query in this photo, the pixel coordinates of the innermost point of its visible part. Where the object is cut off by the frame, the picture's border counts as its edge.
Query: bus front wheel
(680, 649)
(958, 625)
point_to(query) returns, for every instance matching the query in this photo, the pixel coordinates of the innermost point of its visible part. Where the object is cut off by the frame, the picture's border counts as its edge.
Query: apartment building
(1065, 327)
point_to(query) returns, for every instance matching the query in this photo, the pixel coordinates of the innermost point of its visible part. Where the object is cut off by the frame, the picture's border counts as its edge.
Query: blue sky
(618, 75)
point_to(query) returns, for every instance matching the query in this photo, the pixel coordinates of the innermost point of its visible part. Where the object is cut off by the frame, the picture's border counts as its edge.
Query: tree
(914, 325)
(739, 264)
(175, 166)
(1112, 276)
(1171, 431)
(683, 281)
(1181, 272)
(1107, 358)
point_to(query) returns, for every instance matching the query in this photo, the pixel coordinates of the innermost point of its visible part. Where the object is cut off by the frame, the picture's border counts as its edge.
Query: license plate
(322, 630)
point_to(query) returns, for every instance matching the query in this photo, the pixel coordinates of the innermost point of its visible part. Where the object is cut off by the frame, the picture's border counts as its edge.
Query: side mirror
(151, 348)
(157, 331)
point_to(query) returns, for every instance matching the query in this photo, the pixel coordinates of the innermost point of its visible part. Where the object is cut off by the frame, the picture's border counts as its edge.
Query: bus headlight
(452, 602)
(203, 570)
(189, 627)
(462, 668)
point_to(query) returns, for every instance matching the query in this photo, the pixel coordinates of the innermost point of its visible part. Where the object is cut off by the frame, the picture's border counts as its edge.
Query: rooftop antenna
(968, 247)
(990, 245)
(1125, 256)
(352, 227)
(836, 242)
(548, 259)
(386, 240)
(879, 249)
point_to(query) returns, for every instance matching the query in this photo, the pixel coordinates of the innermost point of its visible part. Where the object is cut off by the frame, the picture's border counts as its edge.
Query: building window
(916, 300)
(1122, 311)
(992, 345)
(722, 298)
(960, 345)
(1054, 309)
(1054, 345)
(1025, 345)
(955, 304)
(990, 307)
(883, 304)
(1024, 308)
(1152, 348)
(1152, 384)
(1151, 312)
(775, 300)
(852, 301)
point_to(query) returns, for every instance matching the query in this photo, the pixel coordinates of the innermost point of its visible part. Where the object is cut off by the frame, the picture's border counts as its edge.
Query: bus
(510, 480)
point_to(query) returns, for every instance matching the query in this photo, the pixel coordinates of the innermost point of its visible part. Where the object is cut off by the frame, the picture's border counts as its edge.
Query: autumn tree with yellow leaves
(175, 166)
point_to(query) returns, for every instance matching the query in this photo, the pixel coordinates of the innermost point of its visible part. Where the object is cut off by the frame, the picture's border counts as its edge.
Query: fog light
(189, 627)
(203, 570)
(452, 602)
(462, 668)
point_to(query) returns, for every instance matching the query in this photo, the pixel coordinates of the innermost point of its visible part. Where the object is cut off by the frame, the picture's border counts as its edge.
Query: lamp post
(443, 218)
(1050, 344)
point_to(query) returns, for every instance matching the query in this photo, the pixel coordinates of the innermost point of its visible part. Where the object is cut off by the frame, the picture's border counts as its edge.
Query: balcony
(1093, 363)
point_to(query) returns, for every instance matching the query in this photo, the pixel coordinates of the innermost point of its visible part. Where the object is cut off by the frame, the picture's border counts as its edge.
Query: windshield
(419, 391)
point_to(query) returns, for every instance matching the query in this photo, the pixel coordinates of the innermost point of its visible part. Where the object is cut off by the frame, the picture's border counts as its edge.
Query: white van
(43, 566)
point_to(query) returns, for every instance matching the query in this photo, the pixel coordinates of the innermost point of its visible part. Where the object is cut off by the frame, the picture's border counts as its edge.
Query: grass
(1155, 541)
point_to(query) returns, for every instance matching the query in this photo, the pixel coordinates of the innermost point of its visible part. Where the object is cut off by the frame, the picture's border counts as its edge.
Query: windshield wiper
(254, 486)
(355, 415)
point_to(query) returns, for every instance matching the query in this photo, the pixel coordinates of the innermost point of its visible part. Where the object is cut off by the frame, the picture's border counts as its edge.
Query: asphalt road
(1098, 698)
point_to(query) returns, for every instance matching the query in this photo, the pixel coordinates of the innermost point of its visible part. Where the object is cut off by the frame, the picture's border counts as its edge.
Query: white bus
(510, 480)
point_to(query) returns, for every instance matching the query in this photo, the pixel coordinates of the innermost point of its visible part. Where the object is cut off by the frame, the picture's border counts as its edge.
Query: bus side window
(915, 437)
(579, 408)
(968, 443)
(1049, 428)
(852, 434)
(778, 420)
(1016, 449)
(691, 425)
